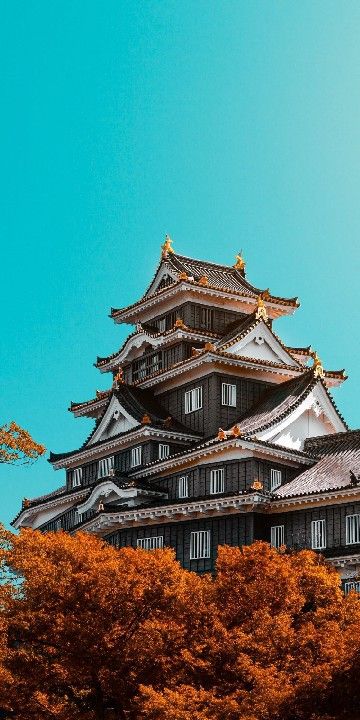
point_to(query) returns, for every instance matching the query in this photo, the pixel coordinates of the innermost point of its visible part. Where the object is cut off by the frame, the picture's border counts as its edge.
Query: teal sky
(226, 124)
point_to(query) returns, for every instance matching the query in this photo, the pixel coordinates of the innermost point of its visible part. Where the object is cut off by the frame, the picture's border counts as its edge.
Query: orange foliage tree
(93, 632)
(17, 445)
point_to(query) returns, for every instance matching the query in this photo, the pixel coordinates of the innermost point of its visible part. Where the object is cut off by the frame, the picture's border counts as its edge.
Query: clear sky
(232, 124)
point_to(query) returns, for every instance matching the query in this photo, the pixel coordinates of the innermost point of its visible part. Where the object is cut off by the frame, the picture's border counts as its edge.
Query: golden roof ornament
(183, 276)
(261, 312)
(236, 431)
(179, 323)
(317, 366)
(240, 262)
(118, 378)
(221, 434)
(203, 281)
(209, 346)
(166, 247)
(146, 419)
(257, 485)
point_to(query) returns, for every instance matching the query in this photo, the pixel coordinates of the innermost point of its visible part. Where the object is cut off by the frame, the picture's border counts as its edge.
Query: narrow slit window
(105, 467)
(136, 456)
(183, 487)
(76, 477)
(151, 543)
(352, 529)
(193, 400)
(277, 536)
(318, 535)
(217, 481)
(275, 479)
(164, 451)
(200, 544)
(228, 394)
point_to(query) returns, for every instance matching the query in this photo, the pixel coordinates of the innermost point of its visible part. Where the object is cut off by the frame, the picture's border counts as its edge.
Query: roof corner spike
(240, 263)
(166, 247)
(317, 366)
(261, 312)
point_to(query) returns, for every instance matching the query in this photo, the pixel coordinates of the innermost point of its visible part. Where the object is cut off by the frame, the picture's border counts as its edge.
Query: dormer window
(136, 456)
(105, 467)
(76, 477)
(164, 451)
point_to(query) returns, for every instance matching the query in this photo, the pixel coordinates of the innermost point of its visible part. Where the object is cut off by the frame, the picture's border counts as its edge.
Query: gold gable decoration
(261, 312)
(240, 262)
(317, 366)
(166, 247)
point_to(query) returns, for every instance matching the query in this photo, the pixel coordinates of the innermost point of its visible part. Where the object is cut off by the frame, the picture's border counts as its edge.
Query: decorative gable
(115, 420)
(314, 416)
(164, 276)
(261, 343)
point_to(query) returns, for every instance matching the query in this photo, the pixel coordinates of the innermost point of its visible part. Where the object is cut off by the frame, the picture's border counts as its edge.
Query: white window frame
(183, 486)
(351, 585)
(318, 534)
(105, 467)
(162, 325)
(352, 529)
(200, 545)
(164, 451)
(76, 477)
(217, 481)
(151, 543)
(275, 479)
(193, 400)
(136, 456)
(228, 394)
(277, 535)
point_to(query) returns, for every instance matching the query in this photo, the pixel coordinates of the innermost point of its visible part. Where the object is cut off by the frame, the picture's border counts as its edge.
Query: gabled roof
(191, 272)
(280, 401)
(340, 457)
(277, 351)
(137, 403)
(156, 339)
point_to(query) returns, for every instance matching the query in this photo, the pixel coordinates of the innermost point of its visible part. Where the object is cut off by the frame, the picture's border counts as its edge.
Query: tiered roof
(205, 276)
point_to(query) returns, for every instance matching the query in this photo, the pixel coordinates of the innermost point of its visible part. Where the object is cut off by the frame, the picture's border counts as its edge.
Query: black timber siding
(150, 452)
(213, 414)
(165, 359)
(193, 316)
(297, 527)
(235, 530)
(238, 476)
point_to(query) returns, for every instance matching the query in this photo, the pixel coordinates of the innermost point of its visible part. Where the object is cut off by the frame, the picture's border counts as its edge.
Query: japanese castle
(213, 431)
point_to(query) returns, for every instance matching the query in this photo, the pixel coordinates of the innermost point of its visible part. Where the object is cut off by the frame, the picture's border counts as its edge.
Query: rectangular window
(76, 477)
(162, 325)
(352, 529)
(352, 585)
(58, 524)
(105, 467)
(164, 451)
(136, 456)
(216, 481)
(275, 479)
(151, 543)
(228, 394)
(200, 544)
(318, 535)
(193, 400)
(277, 536)
(183, 487)
(206, 318)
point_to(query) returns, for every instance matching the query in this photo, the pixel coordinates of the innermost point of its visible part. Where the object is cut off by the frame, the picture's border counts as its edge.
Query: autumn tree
(281, 630)
(17, 445)
(92, 630)
(87, 624)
